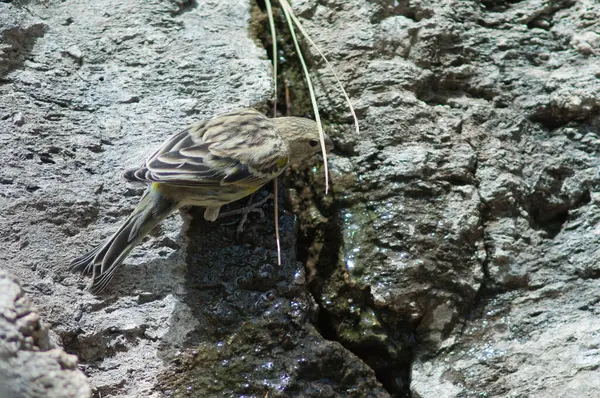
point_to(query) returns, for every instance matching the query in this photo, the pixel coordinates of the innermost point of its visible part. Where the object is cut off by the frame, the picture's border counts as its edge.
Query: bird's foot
(244, 211)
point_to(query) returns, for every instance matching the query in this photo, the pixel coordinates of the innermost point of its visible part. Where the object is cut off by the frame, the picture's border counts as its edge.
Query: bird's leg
(212, 213)
(244, 211)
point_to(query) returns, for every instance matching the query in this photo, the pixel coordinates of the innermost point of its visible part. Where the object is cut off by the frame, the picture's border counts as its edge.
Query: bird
(211, 163)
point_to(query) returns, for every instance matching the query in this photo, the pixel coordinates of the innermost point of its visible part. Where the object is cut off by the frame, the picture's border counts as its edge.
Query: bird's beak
(328, 143)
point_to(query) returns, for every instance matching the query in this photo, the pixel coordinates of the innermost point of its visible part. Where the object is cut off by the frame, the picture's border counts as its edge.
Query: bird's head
(302, 137)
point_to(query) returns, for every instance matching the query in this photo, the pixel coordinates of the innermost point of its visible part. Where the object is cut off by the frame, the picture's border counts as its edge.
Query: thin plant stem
(277, 222)
(274, 39)
(313, 98)
(287, 7)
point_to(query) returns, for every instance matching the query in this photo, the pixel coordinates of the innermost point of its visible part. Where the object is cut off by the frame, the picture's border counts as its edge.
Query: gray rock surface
(468, 207)
(88, 89)
(31, 365)
(457, 257)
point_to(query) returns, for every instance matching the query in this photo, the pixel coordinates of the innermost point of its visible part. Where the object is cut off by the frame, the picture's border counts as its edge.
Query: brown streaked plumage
(210, 164)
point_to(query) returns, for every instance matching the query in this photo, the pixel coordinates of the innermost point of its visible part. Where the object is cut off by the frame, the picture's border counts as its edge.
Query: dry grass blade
(277, 222)
(287, 7)
(274, 39)
(276, 210)
(313, 99)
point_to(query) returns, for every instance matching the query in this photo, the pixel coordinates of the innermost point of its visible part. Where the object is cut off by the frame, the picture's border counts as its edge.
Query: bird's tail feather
(104, 260)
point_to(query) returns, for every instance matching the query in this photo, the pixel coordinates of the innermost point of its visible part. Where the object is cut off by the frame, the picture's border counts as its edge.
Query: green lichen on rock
(277, 358)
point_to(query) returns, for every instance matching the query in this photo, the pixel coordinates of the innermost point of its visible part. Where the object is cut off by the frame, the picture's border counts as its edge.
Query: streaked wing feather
(240, 148)
(242, 176)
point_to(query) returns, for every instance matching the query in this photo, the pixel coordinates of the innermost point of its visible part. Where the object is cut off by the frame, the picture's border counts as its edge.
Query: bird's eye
(313, 142)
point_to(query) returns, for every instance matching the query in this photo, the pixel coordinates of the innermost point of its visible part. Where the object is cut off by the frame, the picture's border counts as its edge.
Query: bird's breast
(204, 196)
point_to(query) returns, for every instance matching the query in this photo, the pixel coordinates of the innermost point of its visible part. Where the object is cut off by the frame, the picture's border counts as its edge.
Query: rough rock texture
(87, 89)
(31, 366)
(468, 208)
(457, 257)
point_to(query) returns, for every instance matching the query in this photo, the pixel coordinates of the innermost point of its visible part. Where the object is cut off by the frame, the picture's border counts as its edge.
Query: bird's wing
(240, 148)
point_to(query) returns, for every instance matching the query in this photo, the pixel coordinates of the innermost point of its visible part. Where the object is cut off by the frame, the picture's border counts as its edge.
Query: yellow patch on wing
(282, 162)
(251, 190)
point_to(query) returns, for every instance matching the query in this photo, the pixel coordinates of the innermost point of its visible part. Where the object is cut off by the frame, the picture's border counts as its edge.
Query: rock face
(457, 256)
(31, 365)
(468, 206)
(89, 89)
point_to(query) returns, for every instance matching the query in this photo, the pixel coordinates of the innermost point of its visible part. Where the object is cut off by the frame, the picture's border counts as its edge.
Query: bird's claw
(244, 211)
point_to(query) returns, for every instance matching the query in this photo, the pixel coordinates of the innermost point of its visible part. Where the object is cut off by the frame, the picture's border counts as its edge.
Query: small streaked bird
(210, 164)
